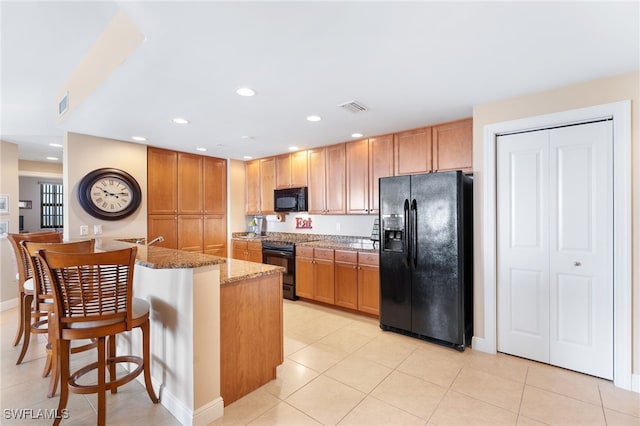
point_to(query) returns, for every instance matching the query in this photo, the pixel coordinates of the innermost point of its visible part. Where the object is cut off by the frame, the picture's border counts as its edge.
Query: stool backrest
(42, 286)
(92, 289)
(22, 259)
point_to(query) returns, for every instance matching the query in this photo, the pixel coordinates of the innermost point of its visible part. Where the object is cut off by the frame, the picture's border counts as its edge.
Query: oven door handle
(277, 253)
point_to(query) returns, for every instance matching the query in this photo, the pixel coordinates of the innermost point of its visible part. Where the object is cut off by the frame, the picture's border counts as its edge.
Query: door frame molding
(620, 112)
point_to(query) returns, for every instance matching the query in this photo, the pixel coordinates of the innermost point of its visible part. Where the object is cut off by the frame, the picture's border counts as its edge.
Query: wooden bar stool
(25, 283)
(43, 302)
(93, 299)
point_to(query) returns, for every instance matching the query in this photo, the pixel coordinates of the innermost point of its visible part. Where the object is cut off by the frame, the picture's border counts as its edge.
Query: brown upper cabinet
(162, 181)
(367, 161)
(327, 180)
(215, 186)
(190, 188)
(260, 183)
(412, 151)
(453, 146)
(291, 170)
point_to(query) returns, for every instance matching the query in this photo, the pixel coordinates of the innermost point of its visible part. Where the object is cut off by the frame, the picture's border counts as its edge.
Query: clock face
(109, 194)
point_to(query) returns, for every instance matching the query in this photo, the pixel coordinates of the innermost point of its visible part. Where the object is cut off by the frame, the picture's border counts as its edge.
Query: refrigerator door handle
(406, 236)
(414, 233)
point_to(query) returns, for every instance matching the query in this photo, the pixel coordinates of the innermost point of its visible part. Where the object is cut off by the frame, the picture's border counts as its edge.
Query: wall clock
(109, 194)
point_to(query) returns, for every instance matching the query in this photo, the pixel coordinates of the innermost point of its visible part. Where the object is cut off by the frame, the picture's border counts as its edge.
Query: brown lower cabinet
(342, 277)
(250, 251)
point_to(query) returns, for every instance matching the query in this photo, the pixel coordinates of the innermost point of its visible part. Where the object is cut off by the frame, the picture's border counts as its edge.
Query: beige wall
(8, 186)
(237, 222)
(39, 168)
(601, 91)
(84, 154)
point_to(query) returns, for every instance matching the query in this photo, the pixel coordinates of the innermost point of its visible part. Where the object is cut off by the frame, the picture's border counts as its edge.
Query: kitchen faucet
(156, 240)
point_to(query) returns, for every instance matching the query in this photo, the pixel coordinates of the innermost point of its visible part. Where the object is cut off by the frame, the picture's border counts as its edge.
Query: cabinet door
(254, 251)
(346, 276)
(335, 179)
(163, 225)
(453, 146)
(368, 283)
(267, 184)
(412, 151)
(324, 285)
(317, 175)
(190, 187)
(304, 277)
(380, 165)
(252, 169)
(283, 171)
(357, 159)
(190, 230)
(215, 186)
(162, 181)
(215, 235)
(298, 161)
(239, 249)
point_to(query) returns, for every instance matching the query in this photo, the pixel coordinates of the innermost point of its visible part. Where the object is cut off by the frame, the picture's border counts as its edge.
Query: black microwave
(290, 199)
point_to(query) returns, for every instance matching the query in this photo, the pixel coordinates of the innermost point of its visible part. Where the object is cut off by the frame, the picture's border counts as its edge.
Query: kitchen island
(185, 292)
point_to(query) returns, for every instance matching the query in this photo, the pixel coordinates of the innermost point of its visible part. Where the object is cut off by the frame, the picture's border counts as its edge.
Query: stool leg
(102, 389)
(111, 361)
(146, 358)
(16, 339)
(26, 320)
(63, 355)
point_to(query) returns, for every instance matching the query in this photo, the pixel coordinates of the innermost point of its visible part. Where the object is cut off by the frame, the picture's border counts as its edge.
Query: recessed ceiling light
(201, 149)
(356, 135)
(293, 148)
(246, 137)
(56, 145)
(248, 157)
(139, 138)
(53, 158)
(179, 120)
(245, 91)
(314, 118)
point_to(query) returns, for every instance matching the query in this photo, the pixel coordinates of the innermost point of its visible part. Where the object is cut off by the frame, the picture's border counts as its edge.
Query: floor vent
(353, 106)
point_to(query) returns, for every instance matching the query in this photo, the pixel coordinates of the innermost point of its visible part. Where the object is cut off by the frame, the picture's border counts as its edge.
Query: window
(51, 205)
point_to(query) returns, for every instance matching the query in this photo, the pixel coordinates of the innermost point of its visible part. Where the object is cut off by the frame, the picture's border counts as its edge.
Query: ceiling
(410, 63)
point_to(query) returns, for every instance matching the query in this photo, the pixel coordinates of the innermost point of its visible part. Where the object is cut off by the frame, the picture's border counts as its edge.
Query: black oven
(282, 253)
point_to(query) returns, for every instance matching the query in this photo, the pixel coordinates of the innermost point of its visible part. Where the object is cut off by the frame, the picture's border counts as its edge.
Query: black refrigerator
(426, 256)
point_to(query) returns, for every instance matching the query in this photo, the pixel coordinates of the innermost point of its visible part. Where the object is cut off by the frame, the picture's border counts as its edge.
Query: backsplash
(347, 225)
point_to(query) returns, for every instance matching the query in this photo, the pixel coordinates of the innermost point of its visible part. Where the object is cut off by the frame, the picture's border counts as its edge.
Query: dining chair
(43, 302)
(94, 299)
(25, 282)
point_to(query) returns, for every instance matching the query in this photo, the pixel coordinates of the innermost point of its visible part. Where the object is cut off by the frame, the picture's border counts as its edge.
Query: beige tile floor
(342, 369)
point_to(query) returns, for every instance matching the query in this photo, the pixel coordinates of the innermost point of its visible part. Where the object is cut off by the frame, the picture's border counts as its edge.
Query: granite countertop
(364, 245)
(237, 270)
(336, 242)
(160, 257)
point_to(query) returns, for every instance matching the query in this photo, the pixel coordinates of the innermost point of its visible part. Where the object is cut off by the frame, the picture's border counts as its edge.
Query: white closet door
(555, 247)
(581, 253)
(523, 245)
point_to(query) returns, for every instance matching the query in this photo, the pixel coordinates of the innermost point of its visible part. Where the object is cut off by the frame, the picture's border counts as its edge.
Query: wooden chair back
(92, 290)
(22, 259)
(42, 286)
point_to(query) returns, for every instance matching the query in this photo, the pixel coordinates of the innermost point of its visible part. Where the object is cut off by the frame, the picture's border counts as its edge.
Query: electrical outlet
(84, 230)
(97, 229)
(338, 227)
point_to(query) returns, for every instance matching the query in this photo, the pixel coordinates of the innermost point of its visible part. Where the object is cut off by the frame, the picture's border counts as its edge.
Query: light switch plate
(97, 229)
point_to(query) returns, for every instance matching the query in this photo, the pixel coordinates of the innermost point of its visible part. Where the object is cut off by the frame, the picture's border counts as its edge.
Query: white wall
(8, 186)
(83, 154)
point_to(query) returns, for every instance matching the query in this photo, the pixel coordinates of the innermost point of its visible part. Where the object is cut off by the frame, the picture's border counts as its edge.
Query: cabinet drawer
(304, 251)
(372, 259)
(323, 253)
(240, 245)
(254, 245)
(346, 256)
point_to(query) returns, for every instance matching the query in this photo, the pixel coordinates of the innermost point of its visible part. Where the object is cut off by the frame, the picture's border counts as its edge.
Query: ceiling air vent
(353, 106)
(63, 105)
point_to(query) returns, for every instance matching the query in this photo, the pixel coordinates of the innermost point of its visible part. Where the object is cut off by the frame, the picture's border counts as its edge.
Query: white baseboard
(187, 417)
(635, 383)
(480, 344)
(8, 304)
